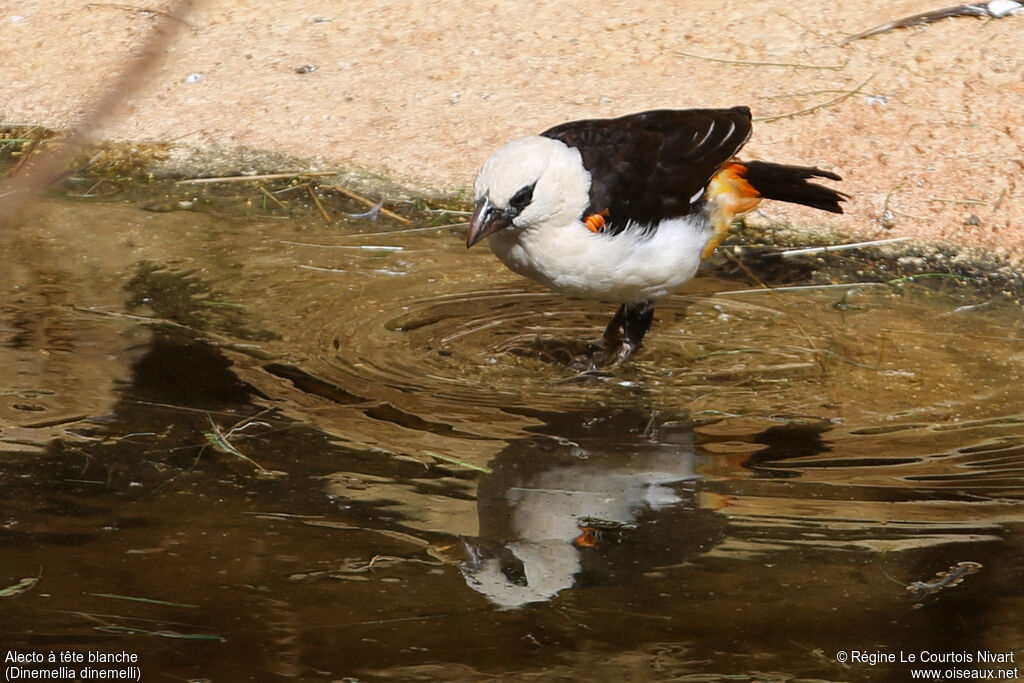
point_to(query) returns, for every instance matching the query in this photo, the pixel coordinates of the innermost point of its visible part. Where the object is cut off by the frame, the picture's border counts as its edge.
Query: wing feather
(654, 165)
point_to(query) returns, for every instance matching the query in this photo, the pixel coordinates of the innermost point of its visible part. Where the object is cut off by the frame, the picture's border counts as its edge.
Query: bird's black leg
(613, 333)
(636, 320)
(626, 330)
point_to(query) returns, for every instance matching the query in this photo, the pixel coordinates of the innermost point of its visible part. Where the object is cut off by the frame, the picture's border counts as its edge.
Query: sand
(924, 124)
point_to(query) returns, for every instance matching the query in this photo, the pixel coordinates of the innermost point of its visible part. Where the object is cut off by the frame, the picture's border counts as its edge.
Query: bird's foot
(606, 354)
(626, 350)
(601, 359)
(623, 335)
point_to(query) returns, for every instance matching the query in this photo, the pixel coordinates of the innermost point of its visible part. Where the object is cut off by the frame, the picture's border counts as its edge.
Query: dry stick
(369, 202)
(806, 93)
(888, 197)
(801, 288)
(271, 197)
(380, 247)
(958, 335)
(886, 210)
(806, 27)
(842, 247)
(139, 10)
(26, 155)
(837, 100)
(292, 188)
(740, 62)
(17, 190)
(244, 422)
(406, 231)
(979, 202)
(316, 200)
(264, 176)
(216, 438)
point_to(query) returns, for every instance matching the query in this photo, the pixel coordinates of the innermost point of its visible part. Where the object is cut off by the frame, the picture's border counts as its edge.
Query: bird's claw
(608, 354)
(626, 349)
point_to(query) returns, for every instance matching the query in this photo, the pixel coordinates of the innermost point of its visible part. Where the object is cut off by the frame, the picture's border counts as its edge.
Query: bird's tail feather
(791, 184)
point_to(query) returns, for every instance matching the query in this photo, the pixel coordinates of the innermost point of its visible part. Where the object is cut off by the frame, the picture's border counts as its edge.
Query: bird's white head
(530, 182)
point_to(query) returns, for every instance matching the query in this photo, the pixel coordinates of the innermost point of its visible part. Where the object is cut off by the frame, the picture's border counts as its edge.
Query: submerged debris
(995, 10)
(944, 579)
(132, 631)
(369, 215)
(219, 440)
(20, 587)
(374, 206)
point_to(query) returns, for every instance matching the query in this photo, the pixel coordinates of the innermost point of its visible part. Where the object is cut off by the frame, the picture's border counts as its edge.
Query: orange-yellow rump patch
(729, 195)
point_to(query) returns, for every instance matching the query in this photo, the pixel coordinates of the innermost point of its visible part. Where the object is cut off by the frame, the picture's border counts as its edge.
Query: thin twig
(26, 155)
(740, 62)
(139, 10)
(457, 461)
(370, 215)
(802, 25)
(978, 202)
(316, 200)
(219, 441)
(264, 176)
(454, 212)
(958, 335)
(370, 203)
(321, 269)
(816, 107)
(888, 215)
(369, 247)
(292, 189)
(271, 197)
(806, 93)
(22, 586)
(796, 288)
(403, 232)
(842, 247)
(248, 421)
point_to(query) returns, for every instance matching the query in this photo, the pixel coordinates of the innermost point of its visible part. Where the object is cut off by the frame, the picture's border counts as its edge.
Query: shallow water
(328, 454)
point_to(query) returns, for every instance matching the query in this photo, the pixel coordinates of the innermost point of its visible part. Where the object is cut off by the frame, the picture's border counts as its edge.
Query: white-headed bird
(624, 210)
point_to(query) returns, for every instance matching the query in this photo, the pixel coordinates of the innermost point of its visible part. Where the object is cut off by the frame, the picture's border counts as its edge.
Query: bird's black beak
(487, 219)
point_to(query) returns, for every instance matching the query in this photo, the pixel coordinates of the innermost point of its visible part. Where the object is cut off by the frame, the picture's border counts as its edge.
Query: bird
(623, 210)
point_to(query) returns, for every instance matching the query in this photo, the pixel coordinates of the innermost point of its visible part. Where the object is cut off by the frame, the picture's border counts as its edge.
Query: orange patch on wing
(729, 194)
(595, 222)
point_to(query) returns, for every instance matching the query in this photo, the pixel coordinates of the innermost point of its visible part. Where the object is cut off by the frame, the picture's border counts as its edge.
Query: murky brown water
(431, 494)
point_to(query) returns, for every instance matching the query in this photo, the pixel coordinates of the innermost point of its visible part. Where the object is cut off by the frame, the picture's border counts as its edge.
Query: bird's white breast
(629, 267)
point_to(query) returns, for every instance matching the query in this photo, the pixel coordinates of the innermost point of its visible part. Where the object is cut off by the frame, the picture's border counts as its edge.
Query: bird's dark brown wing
(649, 166)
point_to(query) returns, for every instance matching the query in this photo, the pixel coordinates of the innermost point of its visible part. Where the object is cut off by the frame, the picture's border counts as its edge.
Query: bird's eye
(522, 198)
